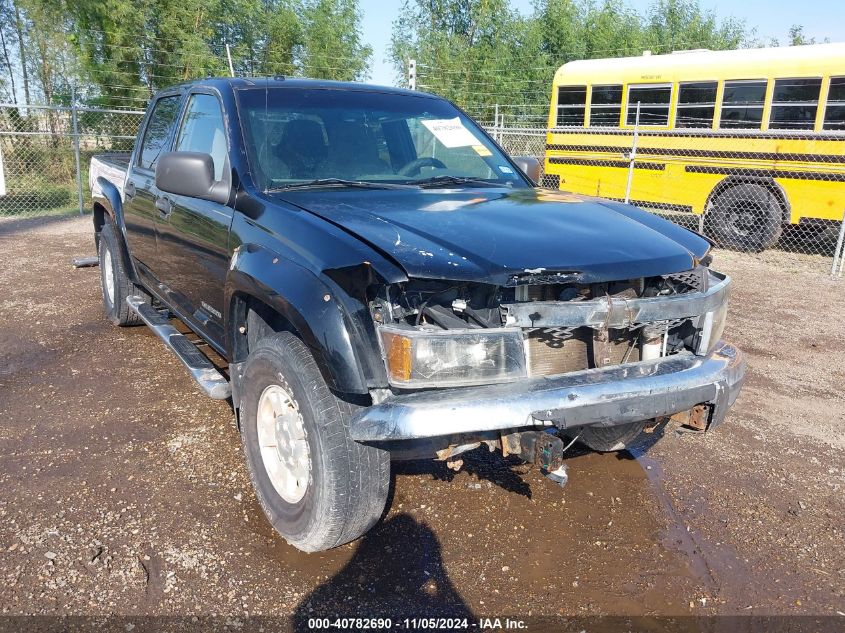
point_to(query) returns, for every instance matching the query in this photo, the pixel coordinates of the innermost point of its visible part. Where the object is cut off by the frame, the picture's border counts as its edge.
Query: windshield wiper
(452, 180)
(340, 182)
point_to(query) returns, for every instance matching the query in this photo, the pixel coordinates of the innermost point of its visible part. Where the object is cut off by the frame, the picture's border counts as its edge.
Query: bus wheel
(745, 217)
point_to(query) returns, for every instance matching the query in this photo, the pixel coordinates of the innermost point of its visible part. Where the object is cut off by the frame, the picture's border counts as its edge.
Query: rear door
(140, 193)
(193, 235)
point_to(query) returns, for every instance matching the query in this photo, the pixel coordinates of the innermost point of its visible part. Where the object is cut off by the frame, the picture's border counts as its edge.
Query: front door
(140, 193)
(193, 234)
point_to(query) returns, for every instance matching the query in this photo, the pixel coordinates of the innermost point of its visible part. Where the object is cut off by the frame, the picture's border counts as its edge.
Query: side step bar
(203, 371)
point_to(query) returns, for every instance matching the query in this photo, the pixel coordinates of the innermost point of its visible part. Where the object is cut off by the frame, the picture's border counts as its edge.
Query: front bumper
(605, 397)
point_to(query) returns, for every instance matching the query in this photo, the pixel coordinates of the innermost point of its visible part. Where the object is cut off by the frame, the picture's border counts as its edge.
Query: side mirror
(191, 174)
(530, 166)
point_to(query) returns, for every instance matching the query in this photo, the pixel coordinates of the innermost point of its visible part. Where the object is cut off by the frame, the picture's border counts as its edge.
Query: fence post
(76, 152)
(497, 132)
(838, 254)
(633, 155)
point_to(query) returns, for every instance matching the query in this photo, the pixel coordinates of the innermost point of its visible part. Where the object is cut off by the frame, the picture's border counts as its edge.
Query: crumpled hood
(491, 235)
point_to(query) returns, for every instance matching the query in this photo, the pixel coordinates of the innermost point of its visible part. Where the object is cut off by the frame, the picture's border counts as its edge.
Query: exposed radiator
(558, 351)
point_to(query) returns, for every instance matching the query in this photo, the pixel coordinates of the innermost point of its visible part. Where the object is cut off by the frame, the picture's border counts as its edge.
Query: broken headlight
(712, 327)
(448, 358)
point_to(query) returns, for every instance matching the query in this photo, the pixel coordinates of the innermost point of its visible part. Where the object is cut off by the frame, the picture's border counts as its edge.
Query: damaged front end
(470, 362)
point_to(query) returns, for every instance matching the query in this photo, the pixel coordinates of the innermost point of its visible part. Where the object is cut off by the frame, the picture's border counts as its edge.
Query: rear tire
(606, 439)
(318, 488)
(745, 217)
(115, 282)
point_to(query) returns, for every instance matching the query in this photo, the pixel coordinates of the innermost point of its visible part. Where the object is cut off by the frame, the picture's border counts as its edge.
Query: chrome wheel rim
(283, 443)
(108, 276)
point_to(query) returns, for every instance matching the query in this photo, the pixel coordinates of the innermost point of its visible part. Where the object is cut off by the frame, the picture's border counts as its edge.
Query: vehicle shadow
(507, 473)
(397, 572)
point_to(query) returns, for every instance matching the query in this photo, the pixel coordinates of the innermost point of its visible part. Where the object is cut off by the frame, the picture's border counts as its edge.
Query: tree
(53, 64)
(32, 48)
(263, 36)
(673, 25)
(22, 59)
(119, 52)
(481, 49)
(481, 53)
(188, 38)
(797, 37)
(583, 30)
(7, 39)
(332, 46)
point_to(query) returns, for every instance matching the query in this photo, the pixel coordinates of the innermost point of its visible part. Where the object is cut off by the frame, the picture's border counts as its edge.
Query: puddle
(678, 535)
(716, 566)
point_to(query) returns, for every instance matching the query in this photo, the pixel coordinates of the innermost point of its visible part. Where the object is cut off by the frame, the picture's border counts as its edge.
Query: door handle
(164, 207)
(129, 191)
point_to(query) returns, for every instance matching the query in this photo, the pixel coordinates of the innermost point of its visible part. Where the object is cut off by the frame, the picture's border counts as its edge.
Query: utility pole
(412, 74)
(229, 59)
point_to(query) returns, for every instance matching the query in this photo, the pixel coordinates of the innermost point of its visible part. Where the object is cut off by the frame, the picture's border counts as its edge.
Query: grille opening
(552, 351)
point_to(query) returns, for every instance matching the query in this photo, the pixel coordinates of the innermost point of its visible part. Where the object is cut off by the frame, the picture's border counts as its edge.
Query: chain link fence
(743, 197)
(729, 186)
(45, 152)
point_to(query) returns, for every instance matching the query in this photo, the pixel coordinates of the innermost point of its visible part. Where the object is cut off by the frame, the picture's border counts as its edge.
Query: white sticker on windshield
(451, 132)
(505, 169)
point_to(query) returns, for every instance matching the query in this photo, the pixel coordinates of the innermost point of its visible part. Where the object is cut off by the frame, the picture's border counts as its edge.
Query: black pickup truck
(383, 281)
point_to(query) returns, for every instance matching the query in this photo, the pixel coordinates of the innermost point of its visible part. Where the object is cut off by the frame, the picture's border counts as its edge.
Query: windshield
(296, 136)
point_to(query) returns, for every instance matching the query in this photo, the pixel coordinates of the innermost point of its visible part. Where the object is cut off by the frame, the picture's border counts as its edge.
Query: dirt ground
(123, 490)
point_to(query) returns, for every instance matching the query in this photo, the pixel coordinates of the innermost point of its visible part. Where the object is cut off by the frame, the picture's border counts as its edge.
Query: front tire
(745, 217)
(318, 488)
(606, 439)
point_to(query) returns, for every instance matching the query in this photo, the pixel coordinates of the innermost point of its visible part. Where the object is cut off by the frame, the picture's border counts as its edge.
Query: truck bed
(112, 167)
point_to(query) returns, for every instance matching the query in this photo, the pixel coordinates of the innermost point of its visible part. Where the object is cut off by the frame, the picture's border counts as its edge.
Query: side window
(654, 104)
(696, 104)
(202, 131)
(742, 104)
(158, 129)
(834, 114)
(794, 104)
(606, 106)
(571, 102)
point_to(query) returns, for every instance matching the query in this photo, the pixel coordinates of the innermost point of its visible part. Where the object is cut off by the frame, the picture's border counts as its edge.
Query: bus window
(571, 103)
(606, 106)
(654, 104)
(742, 104)
(794, 104)
(696, 104)
(834, 114)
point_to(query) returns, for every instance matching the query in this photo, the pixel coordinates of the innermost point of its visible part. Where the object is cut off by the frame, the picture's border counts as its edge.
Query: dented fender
(111, 200)
(323, 316)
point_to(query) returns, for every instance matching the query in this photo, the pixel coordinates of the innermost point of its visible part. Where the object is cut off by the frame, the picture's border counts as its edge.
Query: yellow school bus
(751, 139)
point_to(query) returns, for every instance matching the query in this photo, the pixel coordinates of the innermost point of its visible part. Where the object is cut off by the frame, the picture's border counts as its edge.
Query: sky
(772, 18)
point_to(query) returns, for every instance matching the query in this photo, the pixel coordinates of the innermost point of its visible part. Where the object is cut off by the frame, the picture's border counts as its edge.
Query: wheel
(609, 438)
(115, 282)
(318, 488)
(746, 217)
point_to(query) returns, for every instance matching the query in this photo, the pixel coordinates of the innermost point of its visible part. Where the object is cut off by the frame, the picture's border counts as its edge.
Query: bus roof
(812, 60)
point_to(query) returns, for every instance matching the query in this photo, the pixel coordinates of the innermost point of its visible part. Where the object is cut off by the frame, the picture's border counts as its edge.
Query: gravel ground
(124, 490)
